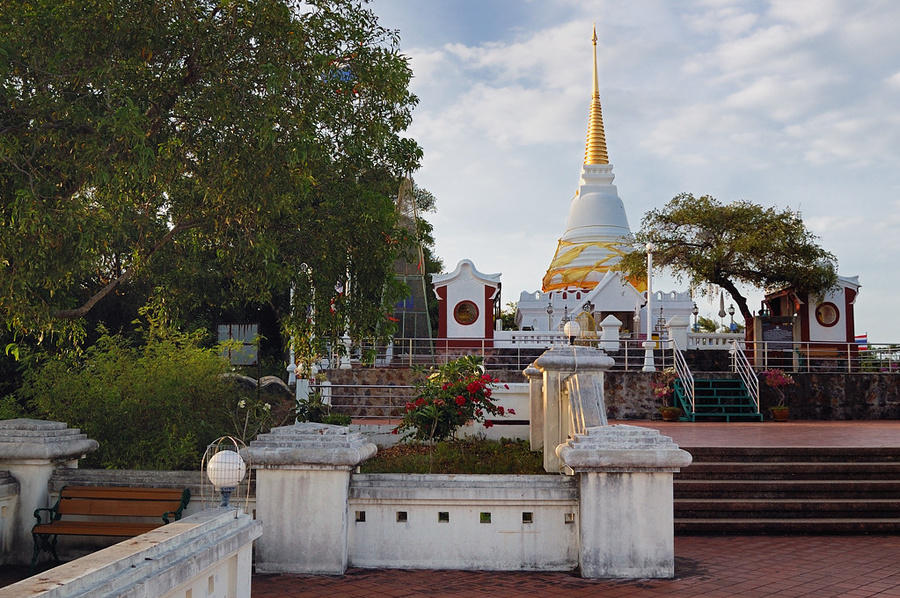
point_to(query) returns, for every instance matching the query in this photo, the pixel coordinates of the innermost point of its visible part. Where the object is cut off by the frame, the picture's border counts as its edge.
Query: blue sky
(789, 103)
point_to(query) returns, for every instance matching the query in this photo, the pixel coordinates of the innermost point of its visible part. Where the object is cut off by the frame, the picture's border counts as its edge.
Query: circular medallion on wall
(827, 314)
(465, 313)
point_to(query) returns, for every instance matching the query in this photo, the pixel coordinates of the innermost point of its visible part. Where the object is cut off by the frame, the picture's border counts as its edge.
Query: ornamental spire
(595, 148)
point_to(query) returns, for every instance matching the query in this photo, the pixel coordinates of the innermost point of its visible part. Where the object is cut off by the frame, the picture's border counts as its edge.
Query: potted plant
(663, 389)
(777, 379)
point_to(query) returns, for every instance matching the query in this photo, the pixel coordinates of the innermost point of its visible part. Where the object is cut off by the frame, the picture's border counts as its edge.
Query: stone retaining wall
(815, 396)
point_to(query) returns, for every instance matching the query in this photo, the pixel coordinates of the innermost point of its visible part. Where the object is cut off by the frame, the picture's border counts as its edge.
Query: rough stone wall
(830, 396)
(815, 396)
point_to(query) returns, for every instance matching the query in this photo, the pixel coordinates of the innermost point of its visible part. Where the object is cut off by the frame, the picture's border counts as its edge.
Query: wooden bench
(105, 511)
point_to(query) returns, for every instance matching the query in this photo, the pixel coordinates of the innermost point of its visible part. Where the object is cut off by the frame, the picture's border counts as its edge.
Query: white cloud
(788, 102)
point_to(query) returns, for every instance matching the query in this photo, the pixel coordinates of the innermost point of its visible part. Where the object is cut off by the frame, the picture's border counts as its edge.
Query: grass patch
(459, 456)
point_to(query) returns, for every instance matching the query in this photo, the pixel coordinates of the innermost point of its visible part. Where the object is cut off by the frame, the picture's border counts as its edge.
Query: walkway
(726, 566)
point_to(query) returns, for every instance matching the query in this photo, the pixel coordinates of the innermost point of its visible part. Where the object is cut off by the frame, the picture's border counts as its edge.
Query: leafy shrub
(469, 456)
(452, 395)
(154, 406)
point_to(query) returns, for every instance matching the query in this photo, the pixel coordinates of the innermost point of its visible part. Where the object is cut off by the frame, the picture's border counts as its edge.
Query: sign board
(778, 333)
(246, 334)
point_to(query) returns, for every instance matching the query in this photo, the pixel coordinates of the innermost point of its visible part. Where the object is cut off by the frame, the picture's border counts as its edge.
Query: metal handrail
(684, 374)
(741, 365)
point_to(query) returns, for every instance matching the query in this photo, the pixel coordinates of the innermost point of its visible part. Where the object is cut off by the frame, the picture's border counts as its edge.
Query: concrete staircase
(789, 491)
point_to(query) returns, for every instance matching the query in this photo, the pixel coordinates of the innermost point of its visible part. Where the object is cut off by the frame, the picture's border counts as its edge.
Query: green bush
(154, 406)
(453, 394)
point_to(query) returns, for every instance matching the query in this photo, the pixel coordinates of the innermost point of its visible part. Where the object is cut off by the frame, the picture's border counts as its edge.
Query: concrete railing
(206, 554)
(490, 522)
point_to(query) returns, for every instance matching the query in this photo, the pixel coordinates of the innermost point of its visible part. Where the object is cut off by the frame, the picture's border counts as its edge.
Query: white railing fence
(517, 350)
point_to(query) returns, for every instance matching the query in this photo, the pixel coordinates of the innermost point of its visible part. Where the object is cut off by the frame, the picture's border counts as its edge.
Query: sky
(786, 103)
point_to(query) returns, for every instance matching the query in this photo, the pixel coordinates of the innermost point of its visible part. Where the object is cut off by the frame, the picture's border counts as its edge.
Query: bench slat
(116, 508)
(93, 528)
(123, 493)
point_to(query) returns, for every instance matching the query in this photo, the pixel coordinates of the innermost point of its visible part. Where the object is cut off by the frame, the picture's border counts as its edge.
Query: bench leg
(43, 543)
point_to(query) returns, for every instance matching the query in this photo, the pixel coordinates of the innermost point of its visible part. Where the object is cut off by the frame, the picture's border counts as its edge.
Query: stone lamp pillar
(536, 403)
(302, 493)
(626, 513)
(31, 449)
(557, 365)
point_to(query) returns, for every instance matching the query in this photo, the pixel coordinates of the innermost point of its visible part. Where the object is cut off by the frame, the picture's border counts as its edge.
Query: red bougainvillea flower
(460, 400)
(410, 407)
(473, 387)
(511, 411)
(479, 412)
(420, 401)
(500, 409)
(488, 423)
(486, 378)
(487, 392)
(439, 402)
(395, 431)
(506, 386)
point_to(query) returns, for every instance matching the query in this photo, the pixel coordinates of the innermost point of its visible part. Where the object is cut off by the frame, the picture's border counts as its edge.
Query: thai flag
(863, 341)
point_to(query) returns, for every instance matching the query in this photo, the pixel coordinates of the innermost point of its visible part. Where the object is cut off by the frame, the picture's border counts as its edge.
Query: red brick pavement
(723, 567)
(717, 566)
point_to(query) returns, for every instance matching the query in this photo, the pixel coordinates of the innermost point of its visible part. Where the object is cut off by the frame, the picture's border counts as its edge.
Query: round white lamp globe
(226, 469)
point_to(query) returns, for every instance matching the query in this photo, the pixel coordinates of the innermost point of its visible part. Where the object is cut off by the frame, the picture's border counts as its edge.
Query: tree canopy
(176, 141)
(740, 242)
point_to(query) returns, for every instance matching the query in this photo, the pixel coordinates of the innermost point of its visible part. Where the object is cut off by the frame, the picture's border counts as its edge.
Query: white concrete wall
(403, 526)
(208, 554)
(304, 516)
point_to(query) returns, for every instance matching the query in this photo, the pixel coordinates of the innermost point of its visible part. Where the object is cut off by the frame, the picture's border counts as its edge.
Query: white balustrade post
(30, 450)
(557, 365)
(625, 505)
(302, 496)
(609, 333)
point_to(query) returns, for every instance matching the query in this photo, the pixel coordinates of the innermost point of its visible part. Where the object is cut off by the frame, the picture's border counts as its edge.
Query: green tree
(177, 141)
(740, 242)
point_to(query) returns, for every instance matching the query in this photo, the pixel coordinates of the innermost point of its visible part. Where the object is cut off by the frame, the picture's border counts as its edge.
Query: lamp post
(648, 344)
(550, 315)
(732, 326)
(695, 310)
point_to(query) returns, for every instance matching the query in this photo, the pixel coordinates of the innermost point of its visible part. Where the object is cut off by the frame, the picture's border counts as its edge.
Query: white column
(31, 449)
(557, 365)
(649, 345)
(626, 527)
(302, 494)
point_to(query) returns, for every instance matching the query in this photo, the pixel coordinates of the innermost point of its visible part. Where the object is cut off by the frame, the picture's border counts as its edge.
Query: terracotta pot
(670, 414)
(780, 415)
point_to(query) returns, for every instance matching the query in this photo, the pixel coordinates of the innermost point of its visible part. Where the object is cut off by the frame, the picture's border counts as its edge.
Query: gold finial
(595, 149)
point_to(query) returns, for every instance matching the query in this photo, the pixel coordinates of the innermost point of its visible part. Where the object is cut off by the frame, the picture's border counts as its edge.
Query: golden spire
(595, 149)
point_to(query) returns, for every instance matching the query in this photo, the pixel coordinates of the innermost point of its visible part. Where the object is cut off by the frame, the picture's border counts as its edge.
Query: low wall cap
(622, 448)
(27, 439)
(532, 372)
(574, 358)
(310, 444)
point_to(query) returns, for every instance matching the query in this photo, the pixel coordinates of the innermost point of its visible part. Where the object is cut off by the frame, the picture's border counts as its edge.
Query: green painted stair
(717, 399)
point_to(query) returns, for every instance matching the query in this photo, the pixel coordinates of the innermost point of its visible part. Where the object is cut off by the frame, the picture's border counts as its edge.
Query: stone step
(717, 508)
(788, 490)
(799, 527)
(794, 454)
(774, 489)
(801, 470)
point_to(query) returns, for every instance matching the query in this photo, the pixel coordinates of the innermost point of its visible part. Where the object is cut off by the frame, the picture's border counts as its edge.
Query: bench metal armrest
(52, 515)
